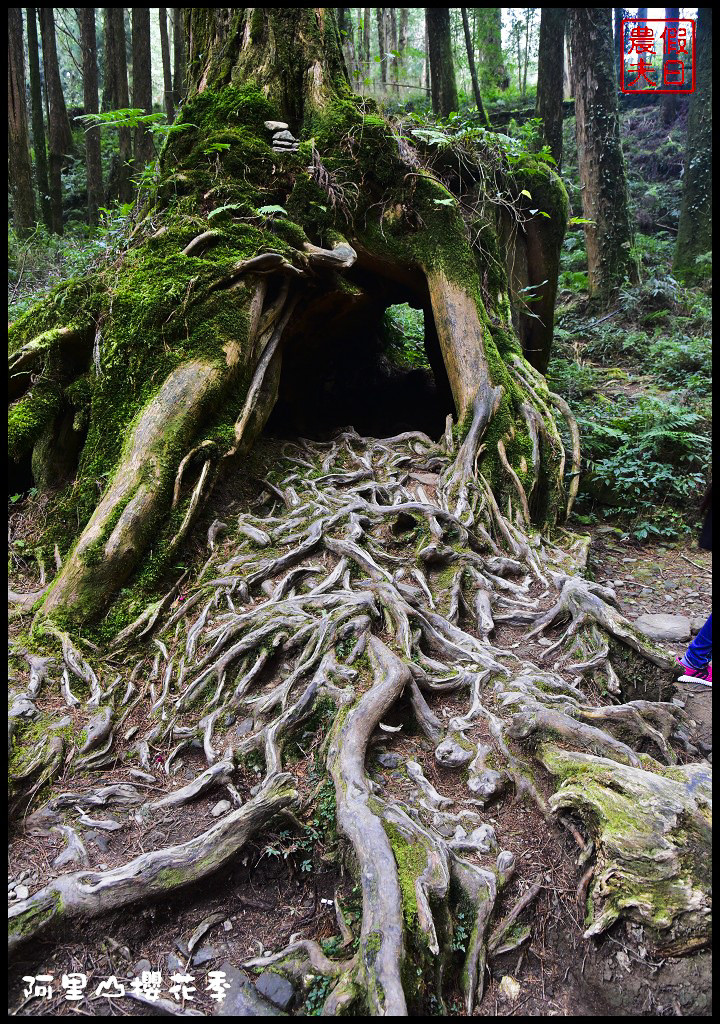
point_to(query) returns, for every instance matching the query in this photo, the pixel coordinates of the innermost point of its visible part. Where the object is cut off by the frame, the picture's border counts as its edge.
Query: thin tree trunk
(20, 166)
(86, 17)
(58, 124)
(425, 72)
(120, 98)
(471, 64)
(600, 157)
(442, 71)
(37, 119)
(394, 69)
(167, 73)
(695, 225)
(550, 77)
(179, 71)
(670, 53)
(382, 44)
(403, 36)
(142, 84)
(107, 98)
(525, 58)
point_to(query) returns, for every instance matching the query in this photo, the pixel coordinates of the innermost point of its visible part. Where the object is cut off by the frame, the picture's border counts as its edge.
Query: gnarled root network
(350, 588)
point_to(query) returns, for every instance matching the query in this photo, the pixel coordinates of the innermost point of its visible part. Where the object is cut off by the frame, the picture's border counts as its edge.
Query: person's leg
(699, 653)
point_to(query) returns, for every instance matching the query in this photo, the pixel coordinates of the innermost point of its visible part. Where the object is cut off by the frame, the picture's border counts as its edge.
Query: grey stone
(452, 754)
(661, 626)
(244, 727)
(242, 998)
(221, 807)
(388, 760)
(670, 585)
(142, 965)
(697, 622)
(174, 963)
(181, 947)
(204, 955)
(284, 136)
(276, 988)
(275, 126)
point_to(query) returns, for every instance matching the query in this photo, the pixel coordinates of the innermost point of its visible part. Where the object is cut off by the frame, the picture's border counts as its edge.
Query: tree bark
(20, 167)
(694, 237)
(471, 64)
(179, 66)
(58, 124)
(167, 73)
(86, 17)
(117, 61)
(442, 71)
(493, 73)
(600, 157)
(37, 119)
(618, 40)
(382, 32)
(142, 84)
(394, 68)
(549, 103)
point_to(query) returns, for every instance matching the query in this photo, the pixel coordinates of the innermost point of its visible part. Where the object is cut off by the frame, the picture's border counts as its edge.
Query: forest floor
(269, 894)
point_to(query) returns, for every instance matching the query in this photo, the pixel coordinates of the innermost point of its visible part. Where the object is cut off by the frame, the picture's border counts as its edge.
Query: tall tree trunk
(425, 70)
(86, 17)
(403, 38)
(19, 164)
(117, 56)
(493, 74)
(442, 71)
(471, 64)
(527, 50)
(366, 43)
(394, 67)
(58, 124)
(37, 119)
(381, 15)
(179, 62)
(694, 237)
(618, 40)
(107, 99)
(670, 53)
(600, 158)
(551, 63)
(142, 84)
(167, 73)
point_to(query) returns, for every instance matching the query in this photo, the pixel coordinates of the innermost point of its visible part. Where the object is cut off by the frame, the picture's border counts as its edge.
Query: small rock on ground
(662, 626)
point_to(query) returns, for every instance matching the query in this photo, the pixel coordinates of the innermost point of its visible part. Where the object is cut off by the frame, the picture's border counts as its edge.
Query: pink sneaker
(695, 675)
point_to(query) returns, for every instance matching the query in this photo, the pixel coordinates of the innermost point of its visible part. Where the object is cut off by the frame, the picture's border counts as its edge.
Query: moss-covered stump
(652, 826)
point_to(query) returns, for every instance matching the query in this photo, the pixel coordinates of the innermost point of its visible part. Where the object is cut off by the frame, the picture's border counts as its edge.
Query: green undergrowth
(638, 375)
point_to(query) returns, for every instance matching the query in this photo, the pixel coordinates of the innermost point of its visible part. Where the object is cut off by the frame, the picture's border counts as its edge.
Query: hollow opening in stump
(365, 356)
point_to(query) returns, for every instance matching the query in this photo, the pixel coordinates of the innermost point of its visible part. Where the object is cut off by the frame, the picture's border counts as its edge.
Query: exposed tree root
(350, 588)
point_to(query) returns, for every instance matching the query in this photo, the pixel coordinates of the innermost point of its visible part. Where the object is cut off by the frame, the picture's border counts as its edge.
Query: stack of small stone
(283, 141)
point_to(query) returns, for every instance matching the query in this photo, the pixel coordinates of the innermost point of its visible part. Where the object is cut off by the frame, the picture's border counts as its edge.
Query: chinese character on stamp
(657, 55)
